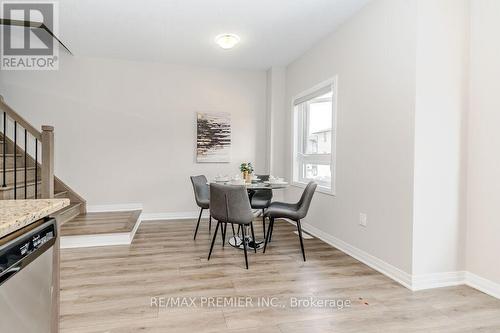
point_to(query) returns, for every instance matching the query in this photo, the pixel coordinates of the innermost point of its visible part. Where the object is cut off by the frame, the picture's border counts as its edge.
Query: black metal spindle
(4, 148)
(15, 159)
(25, 163)
(36, 168)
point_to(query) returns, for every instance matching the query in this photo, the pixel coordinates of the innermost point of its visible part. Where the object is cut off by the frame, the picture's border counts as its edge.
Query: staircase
(27, 172)
(27, 164)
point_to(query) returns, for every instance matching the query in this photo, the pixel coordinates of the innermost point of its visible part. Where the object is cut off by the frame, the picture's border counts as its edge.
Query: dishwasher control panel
(20, 251)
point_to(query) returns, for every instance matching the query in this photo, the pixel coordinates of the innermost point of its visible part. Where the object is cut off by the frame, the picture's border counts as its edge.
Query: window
(314, 137)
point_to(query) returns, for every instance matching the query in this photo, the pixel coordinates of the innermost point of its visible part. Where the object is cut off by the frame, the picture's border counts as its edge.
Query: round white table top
(257, 186)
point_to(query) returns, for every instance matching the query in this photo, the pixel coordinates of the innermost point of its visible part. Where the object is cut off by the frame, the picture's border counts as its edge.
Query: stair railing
(32, 145)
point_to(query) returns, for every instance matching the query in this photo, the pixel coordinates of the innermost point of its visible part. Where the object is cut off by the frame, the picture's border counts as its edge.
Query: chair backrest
(264, 178)
(229, 203)
(305, 199)
(264, 194)
(200, 188)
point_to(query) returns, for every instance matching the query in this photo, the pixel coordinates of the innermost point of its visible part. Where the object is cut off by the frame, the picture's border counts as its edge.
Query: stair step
(7, 193)
(9, 160)
(10, 155)
(19, 185)
(9, 172)
(57, 195)
(101, 223)
(18, 169)
(61, 194)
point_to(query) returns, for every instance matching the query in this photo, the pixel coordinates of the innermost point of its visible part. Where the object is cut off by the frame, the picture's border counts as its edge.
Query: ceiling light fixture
(227, 41)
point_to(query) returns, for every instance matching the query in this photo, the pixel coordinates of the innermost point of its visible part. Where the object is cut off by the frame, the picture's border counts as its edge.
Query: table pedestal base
(237, 242)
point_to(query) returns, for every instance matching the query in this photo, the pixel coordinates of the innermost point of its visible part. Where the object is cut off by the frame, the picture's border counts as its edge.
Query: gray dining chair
(261, 199)
(230, 204)
(293, 211)
(202, 197)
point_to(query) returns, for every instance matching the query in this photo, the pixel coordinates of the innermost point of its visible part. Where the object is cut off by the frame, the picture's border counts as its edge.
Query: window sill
(320, 189)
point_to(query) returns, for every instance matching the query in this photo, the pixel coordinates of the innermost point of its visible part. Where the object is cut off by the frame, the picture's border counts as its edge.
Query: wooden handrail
(20, 120)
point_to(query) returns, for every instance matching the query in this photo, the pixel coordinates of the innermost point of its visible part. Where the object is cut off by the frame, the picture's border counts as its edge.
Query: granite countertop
(15, 214)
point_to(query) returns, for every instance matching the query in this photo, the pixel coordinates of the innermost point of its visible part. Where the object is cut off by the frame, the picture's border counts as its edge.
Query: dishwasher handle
(10, 272)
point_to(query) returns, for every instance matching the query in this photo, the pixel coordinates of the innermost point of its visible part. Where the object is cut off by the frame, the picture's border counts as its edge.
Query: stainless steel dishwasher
(26, 279)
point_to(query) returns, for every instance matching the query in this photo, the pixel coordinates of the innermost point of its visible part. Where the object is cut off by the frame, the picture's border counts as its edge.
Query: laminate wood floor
(109, 289)
(100, 223)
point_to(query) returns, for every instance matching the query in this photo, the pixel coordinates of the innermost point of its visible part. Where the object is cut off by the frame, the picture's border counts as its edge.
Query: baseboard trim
(379, 265)
(412, 282)
(437, 280)
(484, 285)
(71, 242)
(113, 207)
(173, 216)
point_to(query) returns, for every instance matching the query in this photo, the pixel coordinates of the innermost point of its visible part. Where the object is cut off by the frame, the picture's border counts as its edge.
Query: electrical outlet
(363, 219)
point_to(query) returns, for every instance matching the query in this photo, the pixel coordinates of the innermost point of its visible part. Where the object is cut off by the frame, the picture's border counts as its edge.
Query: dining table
(255, 185)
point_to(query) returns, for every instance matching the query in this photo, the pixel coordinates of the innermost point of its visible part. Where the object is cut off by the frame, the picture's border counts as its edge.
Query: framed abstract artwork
(213, 138)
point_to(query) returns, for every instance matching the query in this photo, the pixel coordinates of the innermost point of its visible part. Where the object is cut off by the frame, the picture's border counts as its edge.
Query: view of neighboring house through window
(314, 137)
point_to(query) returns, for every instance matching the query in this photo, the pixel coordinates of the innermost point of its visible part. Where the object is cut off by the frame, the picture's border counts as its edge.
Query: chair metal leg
(253, 238)
(224, 234)
(299, 229)
(245, 246)
(232, 226)
(239, 228)
(213, 240)
(210, 223)
(198, 224)
(269, 228)
(263, 223)
(272, 229)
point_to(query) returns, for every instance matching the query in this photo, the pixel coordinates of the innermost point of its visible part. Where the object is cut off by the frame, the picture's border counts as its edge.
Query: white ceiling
(273, 32)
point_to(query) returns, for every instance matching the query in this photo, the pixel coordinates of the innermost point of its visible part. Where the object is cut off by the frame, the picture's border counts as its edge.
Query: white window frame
(298, 157)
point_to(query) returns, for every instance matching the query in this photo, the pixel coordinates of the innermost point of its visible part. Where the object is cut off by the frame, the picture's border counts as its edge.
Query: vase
(247, 177)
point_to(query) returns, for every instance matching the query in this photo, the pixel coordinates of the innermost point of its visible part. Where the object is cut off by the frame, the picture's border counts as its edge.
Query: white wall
(276, 82)
(483, 167)
(373, 55)
(417, 142)
(125, 131)
(439, 223)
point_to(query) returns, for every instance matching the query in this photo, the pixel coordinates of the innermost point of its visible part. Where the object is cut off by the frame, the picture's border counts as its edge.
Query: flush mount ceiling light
(227, 41)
